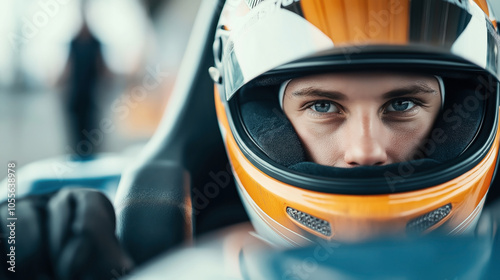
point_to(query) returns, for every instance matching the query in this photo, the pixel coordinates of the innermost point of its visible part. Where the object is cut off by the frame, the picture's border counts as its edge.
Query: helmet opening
(271, 132)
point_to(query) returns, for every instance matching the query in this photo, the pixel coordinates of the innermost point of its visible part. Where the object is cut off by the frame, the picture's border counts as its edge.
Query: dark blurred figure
(84, 68)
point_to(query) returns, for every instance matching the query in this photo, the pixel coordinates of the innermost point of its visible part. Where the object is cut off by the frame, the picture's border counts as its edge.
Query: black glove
(65, 235)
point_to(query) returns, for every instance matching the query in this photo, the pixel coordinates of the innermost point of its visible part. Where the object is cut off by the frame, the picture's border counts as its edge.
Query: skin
(362, 119)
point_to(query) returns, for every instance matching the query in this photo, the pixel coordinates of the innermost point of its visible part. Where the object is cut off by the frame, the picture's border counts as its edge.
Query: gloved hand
(65, 235)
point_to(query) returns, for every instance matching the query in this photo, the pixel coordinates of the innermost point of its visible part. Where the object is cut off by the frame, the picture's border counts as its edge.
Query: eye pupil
(401, 105)
(322, 106)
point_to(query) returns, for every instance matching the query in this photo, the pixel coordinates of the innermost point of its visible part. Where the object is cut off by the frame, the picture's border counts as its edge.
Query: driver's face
(348, 120)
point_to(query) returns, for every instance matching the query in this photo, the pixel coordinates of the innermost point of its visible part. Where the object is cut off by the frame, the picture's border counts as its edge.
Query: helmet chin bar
(272, 232)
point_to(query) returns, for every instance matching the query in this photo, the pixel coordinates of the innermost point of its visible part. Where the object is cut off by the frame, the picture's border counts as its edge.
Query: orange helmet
(259, 44)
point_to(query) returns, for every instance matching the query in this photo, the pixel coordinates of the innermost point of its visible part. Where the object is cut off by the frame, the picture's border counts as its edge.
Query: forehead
(364, 80)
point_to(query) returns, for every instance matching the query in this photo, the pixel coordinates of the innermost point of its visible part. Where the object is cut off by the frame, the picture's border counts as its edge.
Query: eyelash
(416, 101)
(309, 105)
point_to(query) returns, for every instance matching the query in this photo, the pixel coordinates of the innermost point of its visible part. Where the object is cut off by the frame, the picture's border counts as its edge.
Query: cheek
(320, 142)
(407, 137)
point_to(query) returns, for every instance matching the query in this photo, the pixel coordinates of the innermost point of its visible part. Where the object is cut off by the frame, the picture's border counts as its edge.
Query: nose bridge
(364, 124)
(366, 139)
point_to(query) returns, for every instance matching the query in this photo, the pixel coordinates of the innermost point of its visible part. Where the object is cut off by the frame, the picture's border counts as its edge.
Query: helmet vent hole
(316, 224)
(424, 222)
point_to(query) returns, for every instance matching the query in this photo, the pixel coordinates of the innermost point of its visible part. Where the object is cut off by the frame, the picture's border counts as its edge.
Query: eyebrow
(409, 90)
(311, 91)
(336, 95)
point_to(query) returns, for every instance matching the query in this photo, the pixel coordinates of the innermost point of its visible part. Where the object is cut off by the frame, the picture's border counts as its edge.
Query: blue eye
(400, 105)
(325, 107)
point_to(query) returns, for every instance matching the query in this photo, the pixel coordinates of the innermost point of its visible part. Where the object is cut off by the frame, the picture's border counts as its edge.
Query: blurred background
(119, 58)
